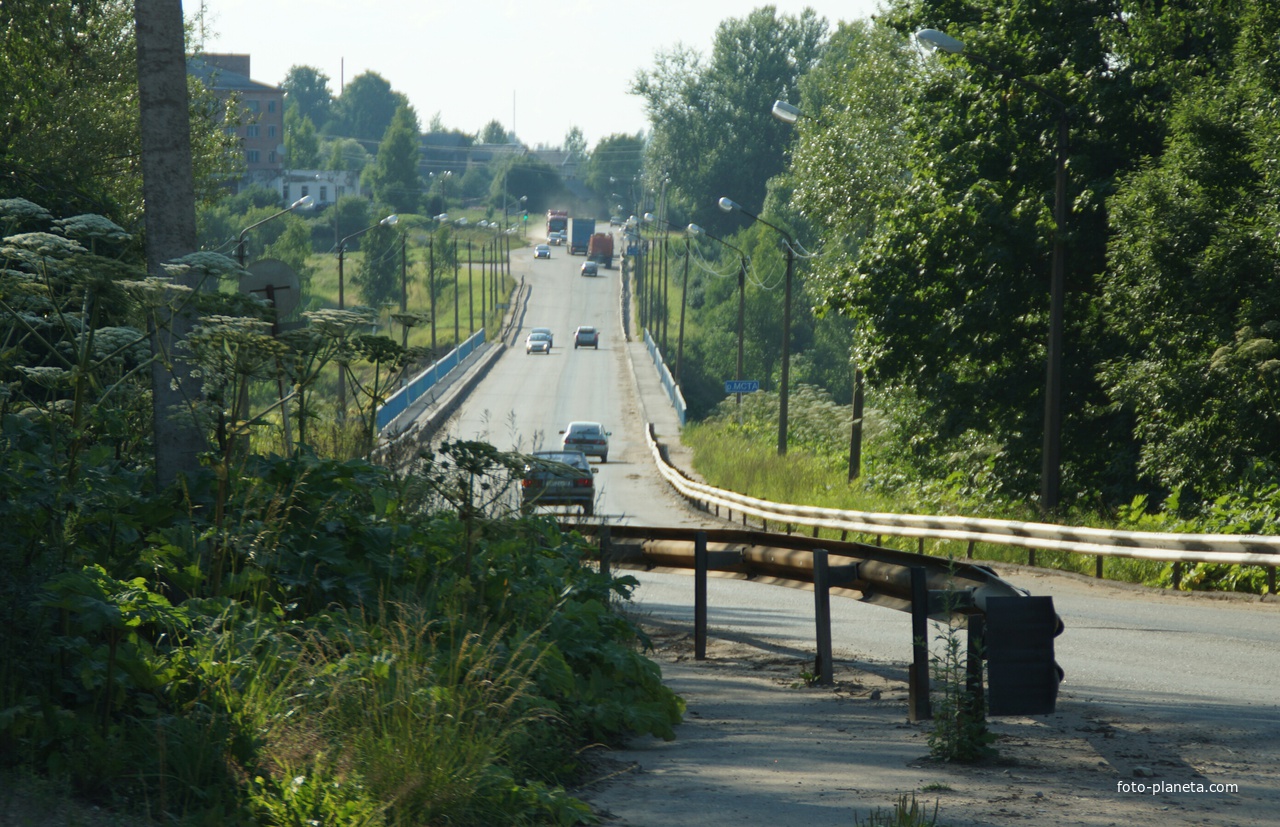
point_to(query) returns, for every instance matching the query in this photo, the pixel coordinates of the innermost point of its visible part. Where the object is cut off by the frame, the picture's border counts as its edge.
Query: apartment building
(261, 130)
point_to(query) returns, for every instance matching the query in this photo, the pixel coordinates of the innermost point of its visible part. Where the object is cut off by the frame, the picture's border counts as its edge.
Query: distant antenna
(342, 75)
(513, 116)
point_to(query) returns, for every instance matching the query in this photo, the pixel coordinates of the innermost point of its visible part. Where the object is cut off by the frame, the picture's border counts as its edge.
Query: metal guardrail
(664, 376)
(1024, 681)
(1239, 549)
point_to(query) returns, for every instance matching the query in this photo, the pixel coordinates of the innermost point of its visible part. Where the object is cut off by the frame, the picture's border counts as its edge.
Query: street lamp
(1051, 471)
(790, 114)
(684, 294)
(729, 205)
(304, 201)
(389, 221)
(786, 112)
(694, 229)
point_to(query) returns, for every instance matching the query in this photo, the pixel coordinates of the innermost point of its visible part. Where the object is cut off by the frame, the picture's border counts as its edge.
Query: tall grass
(736, 449)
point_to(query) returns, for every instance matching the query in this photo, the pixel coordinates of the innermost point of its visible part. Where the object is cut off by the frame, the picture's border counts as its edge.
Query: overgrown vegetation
(736, 448)
(277, 639)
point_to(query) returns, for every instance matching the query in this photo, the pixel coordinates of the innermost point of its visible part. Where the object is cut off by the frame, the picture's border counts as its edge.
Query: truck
(580, 232)
(600, 250)
(557, 221)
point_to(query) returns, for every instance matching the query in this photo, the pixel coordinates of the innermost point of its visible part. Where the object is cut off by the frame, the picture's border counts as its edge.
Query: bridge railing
(1232, 549)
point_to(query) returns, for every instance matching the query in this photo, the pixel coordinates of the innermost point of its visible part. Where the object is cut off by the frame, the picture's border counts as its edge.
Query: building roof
(215, 76)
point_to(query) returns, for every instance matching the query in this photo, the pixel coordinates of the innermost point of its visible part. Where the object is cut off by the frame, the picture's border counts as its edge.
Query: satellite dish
(275, 282)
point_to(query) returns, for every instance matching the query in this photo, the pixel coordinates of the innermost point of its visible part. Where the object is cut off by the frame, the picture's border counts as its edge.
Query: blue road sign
(741, 385)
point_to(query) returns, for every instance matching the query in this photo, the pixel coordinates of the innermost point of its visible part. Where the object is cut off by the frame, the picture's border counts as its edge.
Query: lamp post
(790, 114)
(684, 293)
(241, 253)
(694, 229)
(729, 205)
(389, 221)
(1051, 469)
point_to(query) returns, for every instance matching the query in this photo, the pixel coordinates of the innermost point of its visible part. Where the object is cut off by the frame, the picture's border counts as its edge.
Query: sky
(538, 68)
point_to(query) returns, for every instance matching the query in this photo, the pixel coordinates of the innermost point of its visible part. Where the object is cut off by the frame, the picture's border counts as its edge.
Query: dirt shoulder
(759, 747)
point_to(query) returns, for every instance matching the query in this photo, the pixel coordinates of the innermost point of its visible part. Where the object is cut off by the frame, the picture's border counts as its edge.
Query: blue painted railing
(400, 401)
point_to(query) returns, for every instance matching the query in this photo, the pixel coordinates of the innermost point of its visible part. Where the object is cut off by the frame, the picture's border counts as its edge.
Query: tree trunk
(168, 191)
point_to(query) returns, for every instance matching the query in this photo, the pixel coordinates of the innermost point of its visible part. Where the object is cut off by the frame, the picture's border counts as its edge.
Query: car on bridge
(559, 478)
(588, 437)
(537, 343)
(586, 336)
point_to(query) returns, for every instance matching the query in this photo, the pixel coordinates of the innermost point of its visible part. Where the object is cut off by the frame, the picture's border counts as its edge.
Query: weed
(906, 812)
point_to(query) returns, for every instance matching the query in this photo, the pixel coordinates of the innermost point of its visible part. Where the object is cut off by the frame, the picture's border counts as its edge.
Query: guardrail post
(1271, 579)
(822, 615)
(918, 678)
(606, 550)
(977, 626)
(1176, 576)
(700, 596)
(1097, 568)
(1031, 557)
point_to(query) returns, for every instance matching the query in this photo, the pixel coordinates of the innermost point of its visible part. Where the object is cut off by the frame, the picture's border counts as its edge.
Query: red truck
(600, 250)
(557, 221)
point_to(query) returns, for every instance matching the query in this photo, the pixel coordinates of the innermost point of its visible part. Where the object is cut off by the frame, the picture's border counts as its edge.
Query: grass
(749, 464)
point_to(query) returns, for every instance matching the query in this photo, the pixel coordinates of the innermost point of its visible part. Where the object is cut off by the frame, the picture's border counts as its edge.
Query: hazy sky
(542, 67)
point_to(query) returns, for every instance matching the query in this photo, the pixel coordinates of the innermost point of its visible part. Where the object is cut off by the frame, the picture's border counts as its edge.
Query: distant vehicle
(590, 268)
(557, 221)
(559, 478)
(588, 437)
(580, 232)
(586, 336)
(616, 221)
(600, 249)
(542, 251)
(546, 331)
(537, 343)
(557, 238)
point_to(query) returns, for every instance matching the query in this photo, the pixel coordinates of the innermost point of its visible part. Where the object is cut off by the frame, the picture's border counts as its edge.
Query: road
(527, 399)
(1195, 668)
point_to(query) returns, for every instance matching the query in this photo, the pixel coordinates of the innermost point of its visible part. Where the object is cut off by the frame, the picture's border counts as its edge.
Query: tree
(1192, 290)
(366, 108)
(347, 154)
(494, 133)
(307, 90)
(393, 177)
(712, 131)
(576, 145)
(379, 274)
(168, 183)
(525, 175)
(301, 143)
(68, 102)
(614, 164)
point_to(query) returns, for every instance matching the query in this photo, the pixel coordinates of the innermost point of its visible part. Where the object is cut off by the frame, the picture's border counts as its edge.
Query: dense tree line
(923, 184)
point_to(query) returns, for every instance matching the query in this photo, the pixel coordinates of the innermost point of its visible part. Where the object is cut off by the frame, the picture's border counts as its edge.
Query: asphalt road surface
(1200, 665)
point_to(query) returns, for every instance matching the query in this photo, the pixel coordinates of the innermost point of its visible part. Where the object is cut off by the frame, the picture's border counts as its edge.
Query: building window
(271, 106)
(286, 192)
(271, 157)
(271, 131)
(252, 156)
(251, 131)
(305, 190)
(252, 106)
(324, 195)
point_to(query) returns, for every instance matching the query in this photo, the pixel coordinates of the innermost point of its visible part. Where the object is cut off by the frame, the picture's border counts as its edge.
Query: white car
(557, 238)
(545, 331)
(542, 251)
(588, 437)
(537, 343)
